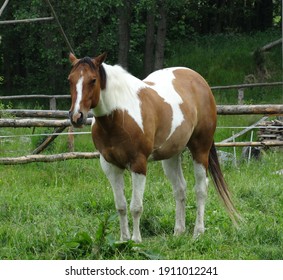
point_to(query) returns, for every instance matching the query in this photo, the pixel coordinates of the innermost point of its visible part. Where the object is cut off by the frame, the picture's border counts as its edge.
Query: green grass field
(65, 210)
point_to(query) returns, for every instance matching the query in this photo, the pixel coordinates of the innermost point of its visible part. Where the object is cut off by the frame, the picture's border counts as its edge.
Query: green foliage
(227, 59)
(35, 55)
(4, 107)
(103, 245)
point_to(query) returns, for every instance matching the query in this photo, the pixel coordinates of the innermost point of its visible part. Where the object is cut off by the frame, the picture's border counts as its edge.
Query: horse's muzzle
(77, 119)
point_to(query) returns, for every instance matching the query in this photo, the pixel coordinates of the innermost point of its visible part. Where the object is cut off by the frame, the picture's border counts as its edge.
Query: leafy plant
(103, 245)
(4, 107)
(79, 246)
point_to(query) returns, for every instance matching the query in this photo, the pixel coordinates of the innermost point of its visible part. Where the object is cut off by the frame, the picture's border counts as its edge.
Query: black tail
(221, 185)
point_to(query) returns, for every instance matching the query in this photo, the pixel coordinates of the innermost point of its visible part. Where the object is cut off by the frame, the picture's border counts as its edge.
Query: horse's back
(185, 87)
(185, 108)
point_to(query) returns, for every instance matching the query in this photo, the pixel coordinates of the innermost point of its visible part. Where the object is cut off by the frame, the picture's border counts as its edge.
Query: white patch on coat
(163, 85)
(79, 88)
(121, 93)
(92, 122)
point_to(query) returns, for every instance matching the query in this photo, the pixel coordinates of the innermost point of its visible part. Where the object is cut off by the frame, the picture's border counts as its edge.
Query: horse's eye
(93, 81)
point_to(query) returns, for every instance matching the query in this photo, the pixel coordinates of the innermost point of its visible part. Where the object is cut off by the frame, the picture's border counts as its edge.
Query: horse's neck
(120, 83)
(121, 93)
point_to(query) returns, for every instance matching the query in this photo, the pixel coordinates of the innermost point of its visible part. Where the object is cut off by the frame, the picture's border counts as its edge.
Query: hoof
(137, 239)
(125, 237)
(198, 232)
(179, 231)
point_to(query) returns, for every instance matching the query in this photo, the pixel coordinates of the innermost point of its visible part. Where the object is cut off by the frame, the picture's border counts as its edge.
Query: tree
(136, 34)
(263, 14)
(160, 35)
(148, 61)
(156, 23)
(124, 15)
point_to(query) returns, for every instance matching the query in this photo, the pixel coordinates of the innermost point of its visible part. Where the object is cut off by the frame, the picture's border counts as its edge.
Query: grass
(65, 210)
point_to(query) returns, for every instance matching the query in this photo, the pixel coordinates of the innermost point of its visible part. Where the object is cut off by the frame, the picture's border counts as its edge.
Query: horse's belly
(170, 147)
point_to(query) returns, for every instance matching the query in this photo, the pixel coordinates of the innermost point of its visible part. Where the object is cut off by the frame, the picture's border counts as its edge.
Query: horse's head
(86, 79)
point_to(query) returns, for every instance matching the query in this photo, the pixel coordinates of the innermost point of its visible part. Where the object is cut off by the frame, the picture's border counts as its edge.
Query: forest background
(138, 35)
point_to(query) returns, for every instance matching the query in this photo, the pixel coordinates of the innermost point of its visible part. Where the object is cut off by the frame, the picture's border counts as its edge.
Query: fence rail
(247, 86)
(48, 158)
(53, 98)
(267, 109)
(94, 155)
(59, 120)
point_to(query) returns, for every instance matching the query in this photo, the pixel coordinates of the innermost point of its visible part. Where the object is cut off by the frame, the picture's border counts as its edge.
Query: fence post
(52, 103)
(71, 139)
(240, 96)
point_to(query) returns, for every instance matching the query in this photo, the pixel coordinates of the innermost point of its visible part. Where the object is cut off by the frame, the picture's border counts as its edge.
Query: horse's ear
(72, 58)
(99, 59)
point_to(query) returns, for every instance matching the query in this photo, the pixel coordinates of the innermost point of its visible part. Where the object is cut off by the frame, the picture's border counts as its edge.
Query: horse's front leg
(116, 179)
(136, 207)
(173, 170)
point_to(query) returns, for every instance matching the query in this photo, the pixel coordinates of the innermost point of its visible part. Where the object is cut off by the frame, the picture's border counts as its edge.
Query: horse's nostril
(77, 119)
(80, 118)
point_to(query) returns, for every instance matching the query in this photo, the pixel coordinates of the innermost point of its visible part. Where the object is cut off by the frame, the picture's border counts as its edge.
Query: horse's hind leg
(173, 170)
(199, 148)
(201, 183)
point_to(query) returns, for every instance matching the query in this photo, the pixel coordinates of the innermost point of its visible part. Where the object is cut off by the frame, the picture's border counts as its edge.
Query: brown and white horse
(156, 118)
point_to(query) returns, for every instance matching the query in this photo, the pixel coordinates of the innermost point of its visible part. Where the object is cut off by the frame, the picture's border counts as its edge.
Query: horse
(156, 118)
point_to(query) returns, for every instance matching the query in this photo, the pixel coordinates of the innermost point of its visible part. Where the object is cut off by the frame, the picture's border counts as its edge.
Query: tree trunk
(264, 14)
(124, 14)
(149, 43)
(160, 37)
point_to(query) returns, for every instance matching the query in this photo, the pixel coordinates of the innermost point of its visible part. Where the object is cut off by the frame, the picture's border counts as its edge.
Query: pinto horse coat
(157, 118)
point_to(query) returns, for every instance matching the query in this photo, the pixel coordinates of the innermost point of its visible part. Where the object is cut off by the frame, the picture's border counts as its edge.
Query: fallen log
(271, 45)
(48, 158)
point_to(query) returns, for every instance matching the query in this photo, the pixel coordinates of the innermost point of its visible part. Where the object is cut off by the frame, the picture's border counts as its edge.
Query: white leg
(173, 170)
(116, 179)
(136, 207)
(201, 183)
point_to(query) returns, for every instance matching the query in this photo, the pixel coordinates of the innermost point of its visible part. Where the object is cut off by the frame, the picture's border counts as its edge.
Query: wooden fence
(59, 120)
(53, 98)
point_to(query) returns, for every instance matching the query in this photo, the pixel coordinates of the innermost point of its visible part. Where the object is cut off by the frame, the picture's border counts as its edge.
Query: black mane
(87, 60)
